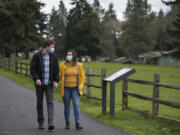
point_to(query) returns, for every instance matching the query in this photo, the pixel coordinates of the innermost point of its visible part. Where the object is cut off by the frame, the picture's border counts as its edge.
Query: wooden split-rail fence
(155, 99)
(21, 67)
(17, 66)
(90, 85)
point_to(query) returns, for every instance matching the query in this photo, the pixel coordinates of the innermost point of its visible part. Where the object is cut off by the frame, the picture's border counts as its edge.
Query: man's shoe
(41, 126)
(67, 125)
(51, 127)
(78, 126)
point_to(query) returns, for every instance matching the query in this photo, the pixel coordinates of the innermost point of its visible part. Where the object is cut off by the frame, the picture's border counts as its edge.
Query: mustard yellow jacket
(62, 68)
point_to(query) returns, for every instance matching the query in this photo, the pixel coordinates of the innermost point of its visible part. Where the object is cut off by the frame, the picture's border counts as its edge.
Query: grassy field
(128, 121)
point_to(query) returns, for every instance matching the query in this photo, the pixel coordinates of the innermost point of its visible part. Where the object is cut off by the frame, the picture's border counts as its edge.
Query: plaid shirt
(45, 74)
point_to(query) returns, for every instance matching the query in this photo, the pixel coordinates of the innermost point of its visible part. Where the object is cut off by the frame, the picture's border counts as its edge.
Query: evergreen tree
(22, 26)
(172, 3)
(174, 32)
(111, 26)
(99, 11)
(63, 13)
(137, 33)
(161, 24)
(57, 26)
(82, 33)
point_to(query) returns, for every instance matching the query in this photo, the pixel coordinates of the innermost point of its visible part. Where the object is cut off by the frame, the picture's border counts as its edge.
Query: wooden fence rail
(155, 99)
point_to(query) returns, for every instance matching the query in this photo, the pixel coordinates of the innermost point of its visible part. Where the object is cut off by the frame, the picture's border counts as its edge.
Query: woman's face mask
(69, 58)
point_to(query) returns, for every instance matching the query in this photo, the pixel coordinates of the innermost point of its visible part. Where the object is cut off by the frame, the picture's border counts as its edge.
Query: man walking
(44, 70)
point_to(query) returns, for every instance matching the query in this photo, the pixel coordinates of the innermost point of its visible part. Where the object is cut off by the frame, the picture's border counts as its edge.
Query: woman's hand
(55, 84)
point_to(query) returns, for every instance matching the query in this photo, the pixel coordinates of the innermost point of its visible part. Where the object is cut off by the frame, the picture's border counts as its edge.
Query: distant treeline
(89, 29)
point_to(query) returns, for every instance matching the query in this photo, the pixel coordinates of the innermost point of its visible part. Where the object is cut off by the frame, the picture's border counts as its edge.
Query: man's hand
(38, 82)
(55, 84)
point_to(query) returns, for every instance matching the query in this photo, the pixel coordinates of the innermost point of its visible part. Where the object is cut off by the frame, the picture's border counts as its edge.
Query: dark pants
(48, 90)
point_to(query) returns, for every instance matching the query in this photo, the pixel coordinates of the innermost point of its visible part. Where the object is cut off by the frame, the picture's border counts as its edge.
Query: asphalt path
(18, 115)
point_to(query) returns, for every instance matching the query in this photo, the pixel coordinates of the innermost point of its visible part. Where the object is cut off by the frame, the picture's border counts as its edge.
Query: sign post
(113, 79)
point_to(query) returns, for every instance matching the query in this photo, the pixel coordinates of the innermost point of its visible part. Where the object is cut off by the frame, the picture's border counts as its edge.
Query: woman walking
(71, 83)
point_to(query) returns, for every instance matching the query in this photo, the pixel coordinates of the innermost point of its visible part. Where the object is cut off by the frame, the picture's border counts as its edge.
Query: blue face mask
(69, 58)
(51, 50)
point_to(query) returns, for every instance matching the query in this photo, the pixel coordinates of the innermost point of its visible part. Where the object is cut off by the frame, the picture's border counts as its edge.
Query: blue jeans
(71, 93)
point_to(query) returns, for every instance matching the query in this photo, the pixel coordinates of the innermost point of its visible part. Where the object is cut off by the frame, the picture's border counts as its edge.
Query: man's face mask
(51, 50)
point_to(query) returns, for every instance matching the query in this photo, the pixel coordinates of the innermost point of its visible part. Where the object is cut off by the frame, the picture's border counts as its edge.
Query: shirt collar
(43, 53)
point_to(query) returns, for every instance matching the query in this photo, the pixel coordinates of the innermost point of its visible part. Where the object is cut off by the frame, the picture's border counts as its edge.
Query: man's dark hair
(48, 43)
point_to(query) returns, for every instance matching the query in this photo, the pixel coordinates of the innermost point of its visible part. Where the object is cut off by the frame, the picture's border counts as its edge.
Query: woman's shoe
(78, 126)
(51, 127)
(67, 125)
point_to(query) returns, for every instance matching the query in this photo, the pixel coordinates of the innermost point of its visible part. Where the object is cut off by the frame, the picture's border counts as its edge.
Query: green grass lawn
(125, 119)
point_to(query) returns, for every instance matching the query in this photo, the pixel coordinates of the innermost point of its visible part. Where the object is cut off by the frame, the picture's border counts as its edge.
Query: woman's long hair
(74, 57)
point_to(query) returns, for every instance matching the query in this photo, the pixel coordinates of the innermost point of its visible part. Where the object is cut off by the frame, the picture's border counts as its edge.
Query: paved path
(18, 115)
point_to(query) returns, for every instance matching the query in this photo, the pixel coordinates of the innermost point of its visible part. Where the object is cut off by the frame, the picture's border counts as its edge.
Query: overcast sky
(119, 5)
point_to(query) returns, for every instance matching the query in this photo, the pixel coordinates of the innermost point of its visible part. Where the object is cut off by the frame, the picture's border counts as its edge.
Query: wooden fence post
(9, 64)
(20, 67)
(26, 69)
(124, 96)
(103, 73)
(16, 66)
(155, 95)
(5, 63)
(1, 61)
(29, 70)
(89, 72)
